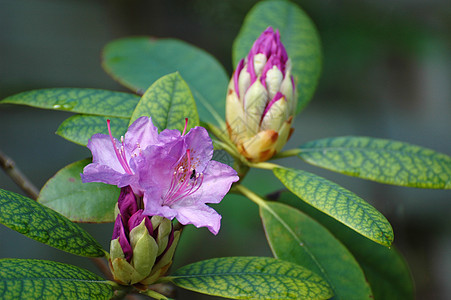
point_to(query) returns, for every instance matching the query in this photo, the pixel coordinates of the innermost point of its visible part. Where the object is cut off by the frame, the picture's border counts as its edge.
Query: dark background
(386, 73)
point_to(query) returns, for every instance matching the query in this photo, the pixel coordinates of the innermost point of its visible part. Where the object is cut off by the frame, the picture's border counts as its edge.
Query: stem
(9, 166)
(287, 153)
(264, 165)
(250, 194)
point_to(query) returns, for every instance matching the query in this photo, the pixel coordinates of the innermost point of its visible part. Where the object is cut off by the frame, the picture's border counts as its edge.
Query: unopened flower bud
(261, 99)
(142, 247)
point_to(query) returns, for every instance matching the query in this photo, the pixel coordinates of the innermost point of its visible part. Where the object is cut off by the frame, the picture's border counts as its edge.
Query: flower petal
(103, 152)
(218, 178)
(141, 134)
(199, 216)
(201, 147)
(152, 205)
(168, 136)
(101, 173)
(156, 165)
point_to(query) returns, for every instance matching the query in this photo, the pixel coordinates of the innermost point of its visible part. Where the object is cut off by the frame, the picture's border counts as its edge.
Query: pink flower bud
(142, 247)
(261, 99)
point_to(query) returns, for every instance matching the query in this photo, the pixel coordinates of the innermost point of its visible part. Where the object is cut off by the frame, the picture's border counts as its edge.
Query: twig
(9, 166)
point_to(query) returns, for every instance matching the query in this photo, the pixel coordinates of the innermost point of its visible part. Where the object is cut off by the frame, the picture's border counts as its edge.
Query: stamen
(194, 188)
(184, 182)
(120, 154)
(186, 125)
(172, 185)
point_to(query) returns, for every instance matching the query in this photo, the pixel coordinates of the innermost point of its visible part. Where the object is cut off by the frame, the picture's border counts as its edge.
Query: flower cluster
(172, 171)
(261, 99)
(162, 177)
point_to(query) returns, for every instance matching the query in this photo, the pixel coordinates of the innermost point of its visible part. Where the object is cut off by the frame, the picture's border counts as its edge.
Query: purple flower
(172, 171)
(182, 179)
(115, 162)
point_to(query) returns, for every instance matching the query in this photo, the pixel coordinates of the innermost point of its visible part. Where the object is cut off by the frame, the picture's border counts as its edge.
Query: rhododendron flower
(172, 170)
(115, 162)
(181, 179)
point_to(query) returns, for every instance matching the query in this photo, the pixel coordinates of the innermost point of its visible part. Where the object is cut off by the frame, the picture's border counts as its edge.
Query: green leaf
(381, 160)
(295, 237)
(92, 202)
(139, 61)
(384, 268)
(86, 101)
(42, 279)
(251, 278)
(168, 101)
(80, 128)
(45, 225)
(339, 203)
(298, 34)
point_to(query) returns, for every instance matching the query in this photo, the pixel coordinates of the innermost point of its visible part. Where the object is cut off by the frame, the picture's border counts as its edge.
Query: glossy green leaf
(137, 62)
(80, 128)
(168, 101)
(339, 203)
(45, 225)
(86, 101)
(295, 237)
(251, 278)
(384, 268)
(92, 202)
(381, 160)
(298, 34)
(43, 279)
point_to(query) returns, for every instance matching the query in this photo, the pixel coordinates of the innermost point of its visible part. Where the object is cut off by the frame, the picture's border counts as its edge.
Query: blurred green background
(386, 74)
